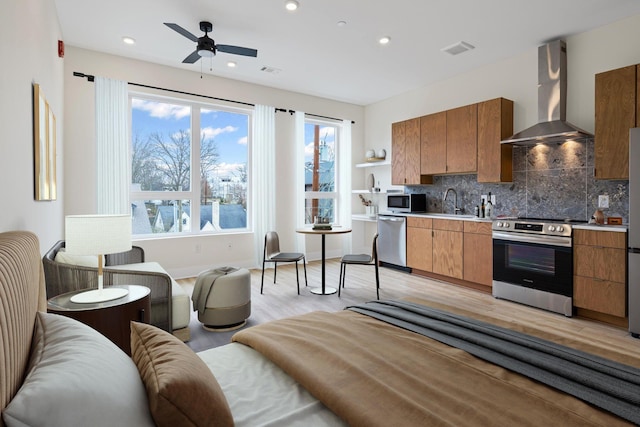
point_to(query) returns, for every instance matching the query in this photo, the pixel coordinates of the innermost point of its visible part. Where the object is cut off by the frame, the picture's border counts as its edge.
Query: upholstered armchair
(62, 277)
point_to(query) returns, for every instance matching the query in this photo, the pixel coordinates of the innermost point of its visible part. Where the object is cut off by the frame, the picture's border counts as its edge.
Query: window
(189, 166)
(320, 177)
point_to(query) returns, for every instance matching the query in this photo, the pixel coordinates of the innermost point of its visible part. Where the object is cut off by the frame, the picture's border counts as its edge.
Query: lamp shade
(97, 234)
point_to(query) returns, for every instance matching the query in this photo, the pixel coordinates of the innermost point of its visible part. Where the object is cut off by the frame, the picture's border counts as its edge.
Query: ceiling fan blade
(236, 50)
(191, 58)
(177, 28)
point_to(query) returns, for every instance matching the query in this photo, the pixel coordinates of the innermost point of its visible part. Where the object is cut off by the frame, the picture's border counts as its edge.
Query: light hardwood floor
(281, 300)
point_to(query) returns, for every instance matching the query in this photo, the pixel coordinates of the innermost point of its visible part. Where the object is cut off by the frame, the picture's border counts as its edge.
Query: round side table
(110, 318)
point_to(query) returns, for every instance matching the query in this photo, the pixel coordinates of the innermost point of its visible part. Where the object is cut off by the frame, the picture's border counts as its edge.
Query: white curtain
(299, 176)
(113, 168)
(344, 183)
(263, 181)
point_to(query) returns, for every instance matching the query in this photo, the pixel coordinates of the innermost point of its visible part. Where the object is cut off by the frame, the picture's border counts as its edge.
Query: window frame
(194, 194)
(335, 194)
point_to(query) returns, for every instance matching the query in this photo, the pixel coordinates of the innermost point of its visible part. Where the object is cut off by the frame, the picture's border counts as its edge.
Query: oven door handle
(528, 238)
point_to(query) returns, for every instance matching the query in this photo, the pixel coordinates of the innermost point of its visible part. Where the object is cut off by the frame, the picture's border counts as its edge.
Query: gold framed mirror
(44, 147)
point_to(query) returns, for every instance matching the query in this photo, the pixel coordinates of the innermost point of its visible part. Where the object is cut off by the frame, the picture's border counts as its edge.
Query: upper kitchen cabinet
(449, 141)
(433, 143)
(405, 153)
(495, 123)
(616, 111)
(462, 139)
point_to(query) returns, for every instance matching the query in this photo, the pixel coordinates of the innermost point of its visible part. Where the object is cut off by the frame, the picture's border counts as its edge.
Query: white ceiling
(318, 57)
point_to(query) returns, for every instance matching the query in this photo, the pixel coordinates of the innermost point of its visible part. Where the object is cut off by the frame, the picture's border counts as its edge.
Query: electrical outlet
(603, 201)
(483, 198)
(493, 199)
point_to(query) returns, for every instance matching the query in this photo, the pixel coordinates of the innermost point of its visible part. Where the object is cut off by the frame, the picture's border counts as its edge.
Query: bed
(363, 366)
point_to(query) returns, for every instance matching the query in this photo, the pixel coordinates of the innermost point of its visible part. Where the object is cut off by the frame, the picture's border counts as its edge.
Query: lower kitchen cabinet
(419, 243)
(600, 265)
(448, 247)
(478, 253)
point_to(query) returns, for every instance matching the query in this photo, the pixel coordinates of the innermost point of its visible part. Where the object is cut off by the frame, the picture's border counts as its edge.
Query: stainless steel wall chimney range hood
(552, 126)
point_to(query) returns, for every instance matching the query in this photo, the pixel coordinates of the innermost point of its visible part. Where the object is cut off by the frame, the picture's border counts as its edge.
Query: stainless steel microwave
(407, 202)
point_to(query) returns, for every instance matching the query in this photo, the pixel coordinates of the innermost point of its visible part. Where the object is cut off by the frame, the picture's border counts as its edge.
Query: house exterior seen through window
(189, 166)
(320, 176)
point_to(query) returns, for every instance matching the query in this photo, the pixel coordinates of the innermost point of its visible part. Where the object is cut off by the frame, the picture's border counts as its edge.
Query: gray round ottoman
(222, 298)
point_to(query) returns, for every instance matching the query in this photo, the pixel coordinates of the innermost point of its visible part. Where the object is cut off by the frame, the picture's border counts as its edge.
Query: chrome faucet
(456, 209)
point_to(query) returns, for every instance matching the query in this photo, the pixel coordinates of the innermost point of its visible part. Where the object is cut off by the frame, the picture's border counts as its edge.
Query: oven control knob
(499, 224)
(552, 228)
(506, 225)
(560, 229)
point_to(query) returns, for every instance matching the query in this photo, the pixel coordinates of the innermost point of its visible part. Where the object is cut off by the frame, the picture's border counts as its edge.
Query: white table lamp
(98, 235)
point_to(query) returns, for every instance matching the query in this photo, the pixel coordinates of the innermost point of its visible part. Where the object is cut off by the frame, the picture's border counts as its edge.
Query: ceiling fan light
(205, 53)
(291, 5)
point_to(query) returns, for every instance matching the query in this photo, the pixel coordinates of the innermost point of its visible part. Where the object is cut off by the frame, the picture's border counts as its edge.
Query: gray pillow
(77, 377)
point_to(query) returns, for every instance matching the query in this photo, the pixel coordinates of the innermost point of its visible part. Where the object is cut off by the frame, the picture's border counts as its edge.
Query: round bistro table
(323, 290)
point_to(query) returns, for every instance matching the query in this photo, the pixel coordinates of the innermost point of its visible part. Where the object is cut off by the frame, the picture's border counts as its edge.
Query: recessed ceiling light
(232, 64)
(384, 40)
(291, 4)
(342, 23)
(129, 40)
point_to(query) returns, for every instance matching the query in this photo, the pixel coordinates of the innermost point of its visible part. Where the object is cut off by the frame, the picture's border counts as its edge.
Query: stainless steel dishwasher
(392, 240)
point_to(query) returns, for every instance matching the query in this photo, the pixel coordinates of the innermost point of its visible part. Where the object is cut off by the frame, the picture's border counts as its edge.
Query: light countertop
(436, 215)
(598, 227)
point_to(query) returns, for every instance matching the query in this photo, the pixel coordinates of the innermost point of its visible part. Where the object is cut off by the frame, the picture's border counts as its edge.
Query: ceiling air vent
(270, 70)
(457, 48)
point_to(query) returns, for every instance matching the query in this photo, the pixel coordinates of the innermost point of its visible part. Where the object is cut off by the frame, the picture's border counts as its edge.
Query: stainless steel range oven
(533, 263)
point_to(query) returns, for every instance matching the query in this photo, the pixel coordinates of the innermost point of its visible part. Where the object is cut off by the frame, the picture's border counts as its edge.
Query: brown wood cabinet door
(419, 248)
(462, 139)
(599, 265)
(478, 258)
(599, 295)
(609, 239)
(615, 113)
(478, 253)
(433, 143)
(448, 253)
(583, 257)
(495, 123)
(412, 151)
(397, 153)
(638, 95)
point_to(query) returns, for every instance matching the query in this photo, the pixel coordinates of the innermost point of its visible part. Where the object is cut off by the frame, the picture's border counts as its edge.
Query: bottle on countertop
(488, 209)
(482, 209)
(476, 211)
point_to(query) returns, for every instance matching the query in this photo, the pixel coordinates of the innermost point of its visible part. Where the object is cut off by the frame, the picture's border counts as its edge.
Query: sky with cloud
(228, 130)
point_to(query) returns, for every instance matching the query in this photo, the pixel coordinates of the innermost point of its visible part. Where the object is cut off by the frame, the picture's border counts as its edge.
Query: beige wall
(29, 33)
(186, 256)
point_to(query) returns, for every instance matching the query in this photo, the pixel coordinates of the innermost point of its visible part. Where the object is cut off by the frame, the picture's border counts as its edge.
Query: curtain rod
(91, 78)
(322, 117)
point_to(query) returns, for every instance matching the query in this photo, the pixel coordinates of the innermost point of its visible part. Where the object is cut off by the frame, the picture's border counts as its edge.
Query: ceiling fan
(206, 46)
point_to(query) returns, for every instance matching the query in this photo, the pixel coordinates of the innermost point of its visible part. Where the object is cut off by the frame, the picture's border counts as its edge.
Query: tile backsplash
(549, 181)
